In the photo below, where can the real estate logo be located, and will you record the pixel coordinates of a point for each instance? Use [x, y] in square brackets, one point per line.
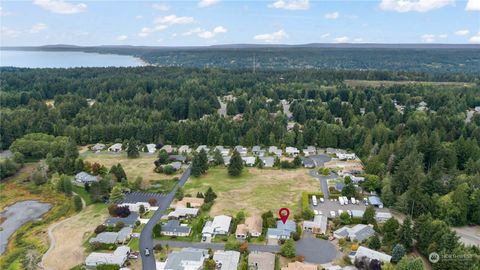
[434, 257]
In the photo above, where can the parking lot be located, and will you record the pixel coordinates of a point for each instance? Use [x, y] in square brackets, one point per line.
[330, 205]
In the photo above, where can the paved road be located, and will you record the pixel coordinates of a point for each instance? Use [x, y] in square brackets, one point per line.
[146, 237]
[215, 246]
[316, 250]
[323, 182]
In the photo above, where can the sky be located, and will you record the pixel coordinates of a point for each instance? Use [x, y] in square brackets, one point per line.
[210, 22]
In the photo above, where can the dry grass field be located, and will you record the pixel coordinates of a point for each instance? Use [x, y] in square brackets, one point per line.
[255, 191]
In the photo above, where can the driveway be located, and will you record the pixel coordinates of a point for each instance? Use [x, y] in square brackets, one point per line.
[215, 246]
[316, 250]
[320, 159]
[323, 181]
[146, 237]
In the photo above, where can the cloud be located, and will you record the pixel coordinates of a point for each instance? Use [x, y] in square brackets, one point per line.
[291, 4]
[206, 34]
[8, 32]
[146, 31]
[207, 3]
[60, 6]
[332, 16]
[325, 35]
[341, 39]
[122, 37]
[138, 17]
[4, 13]
[37, 28]
[271, 37]
[174, 19]
[358, 40]
[462, 32]
[443, 36]
[160, 7]
[429, 38]
[473, 5]
[414, 5]
[475, 39]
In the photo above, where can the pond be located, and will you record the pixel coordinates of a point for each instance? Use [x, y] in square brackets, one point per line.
[18, 214]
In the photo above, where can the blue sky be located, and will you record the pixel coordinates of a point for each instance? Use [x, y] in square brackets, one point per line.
[208, 22]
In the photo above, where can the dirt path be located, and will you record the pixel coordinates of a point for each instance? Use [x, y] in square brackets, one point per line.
[67, 237]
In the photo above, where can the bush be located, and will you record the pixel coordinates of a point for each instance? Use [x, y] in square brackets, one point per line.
[158, 247]
[152, 201]
[288, 249]
[108, 267]
[77, 203]
[100, 228]
[122, 211]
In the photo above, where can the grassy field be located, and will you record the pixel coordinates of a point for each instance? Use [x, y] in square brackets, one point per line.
[142, 166]
[368, 83]
[255, 191]
[27, 245]
[70, 234]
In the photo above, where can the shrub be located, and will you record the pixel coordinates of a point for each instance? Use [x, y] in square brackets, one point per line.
[288, 249]
[158, 247]
[152, 201]
[100, 228]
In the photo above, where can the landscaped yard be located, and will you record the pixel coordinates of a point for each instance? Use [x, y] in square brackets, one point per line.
[255, 191]
[142, 166]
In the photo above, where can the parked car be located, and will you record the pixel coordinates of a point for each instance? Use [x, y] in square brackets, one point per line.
[147, 252]
[322, 200]
[332, 214]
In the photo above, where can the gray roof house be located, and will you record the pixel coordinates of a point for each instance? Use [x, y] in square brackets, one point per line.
[258, 151]
[226, 160]
[371, 254]
[261, 260]
[184, 149]
[268, 161]
[310, 150]
[220, 225]
[359, 232]
[113, 237]
[180, 158]
[308, 162]
[174, 228]
[275, 151]
[226, 260]
[249, 161]
[83, 177]
[127, 221]
[292, 151]
[186, 259]
[176, 165]
[317, 226]
[183, 212]
[151, 147]
[241, 150]
[375, 201]
[98, 147]
[115, 148]
[200, 147]
[283, 231]
[118, 257]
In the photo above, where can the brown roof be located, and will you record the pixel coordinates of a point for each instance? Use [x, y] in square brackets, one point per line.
[299, 266]
[241, 229]
[254, 224]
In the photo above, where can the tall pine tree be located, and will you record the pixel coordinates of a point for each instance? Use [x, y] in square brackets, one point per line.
[236, 164]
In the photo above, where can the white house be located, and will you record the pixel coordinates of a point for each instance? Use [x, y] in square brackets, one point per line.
[223, 151]
[382, 216]
[98, 147]
[310, 150]
[292, 151]
[135, 207]
[317, 226]
[241, 150]
[200, 147]
[226, 260]
[249, 161]
[345, 156]
[151, 147]
[370, 254]
[83, 177]
[168, 148]
[183, 212]
[115, 148]
[220, 225]
[118, 257]
[185, 259]
[184, 149]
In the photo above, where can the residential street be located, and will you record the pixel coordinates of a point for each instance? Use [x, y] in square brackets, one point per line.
[323, 182]
[146, 238]
[215, 246]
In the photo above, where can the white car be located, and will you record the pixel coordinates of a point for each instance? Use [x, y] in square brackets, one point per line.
[332, 214]
[322, 200]
[315, 212]
[340, 211]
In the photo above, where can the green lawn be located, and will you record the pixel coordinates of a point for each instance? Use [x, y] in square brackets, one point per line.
[162, 186]
[82, 193]
[134, 244]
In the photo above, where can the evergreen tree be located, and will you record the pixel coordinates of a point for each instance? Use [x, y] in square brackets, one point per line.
[116, 194]
[210, 196]
[369, 215]
[374, 242]
[390, 231]
[236, 164]
[77, 203]
[397, 253]
[217, 158]
[203, 158]
[405, 234]
[132, 149]
[288, 249]
[196, 166]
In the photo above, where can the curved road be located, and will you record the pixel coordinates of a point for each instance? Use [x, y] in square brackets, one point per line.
[146, 237]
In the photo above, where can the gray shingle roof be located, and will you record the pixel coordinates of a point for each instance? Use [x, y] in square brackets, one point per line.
[173, 226]
[128, 221]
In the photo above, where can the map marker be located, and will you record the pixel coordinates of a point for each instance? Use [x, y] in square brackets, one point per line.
[284, 213]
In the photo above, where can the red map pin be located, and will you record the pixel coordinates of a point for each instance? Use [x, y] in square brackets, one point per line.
[284, 213]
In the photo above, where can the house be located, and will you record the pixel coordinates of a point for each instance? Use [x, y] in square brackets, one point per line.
[268, 162]
[204, 147]
[220, 225]
[113, 237]
[135, 207]
[261, 260]
[252, 227]
[167, 148]
[98, 147]
[83, 177]
[151, 147]
[334, 151]
[249, 161]
[308, 162]
[258, 151]
[317, 226]
[118, 257]
[226, 160]
[179, 158]
[370, 254]
[183, 212]
[226, 260]
[144, 197]
[290, 126]
[186, 259]
[241, 150]
[283, 231]
[184, 149]
[127, 221]
[359, 232]
[115, 148]
[275, 151]
[299, 266]
[223, 151]
[477, 109]
[355, 179]
[309, 151]
[190, 202]
[174, 228]
[382, 216]
[345, 156]
[175, 165]
[356, 213]
[375, 201]
[329, 266]
[292, 151]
